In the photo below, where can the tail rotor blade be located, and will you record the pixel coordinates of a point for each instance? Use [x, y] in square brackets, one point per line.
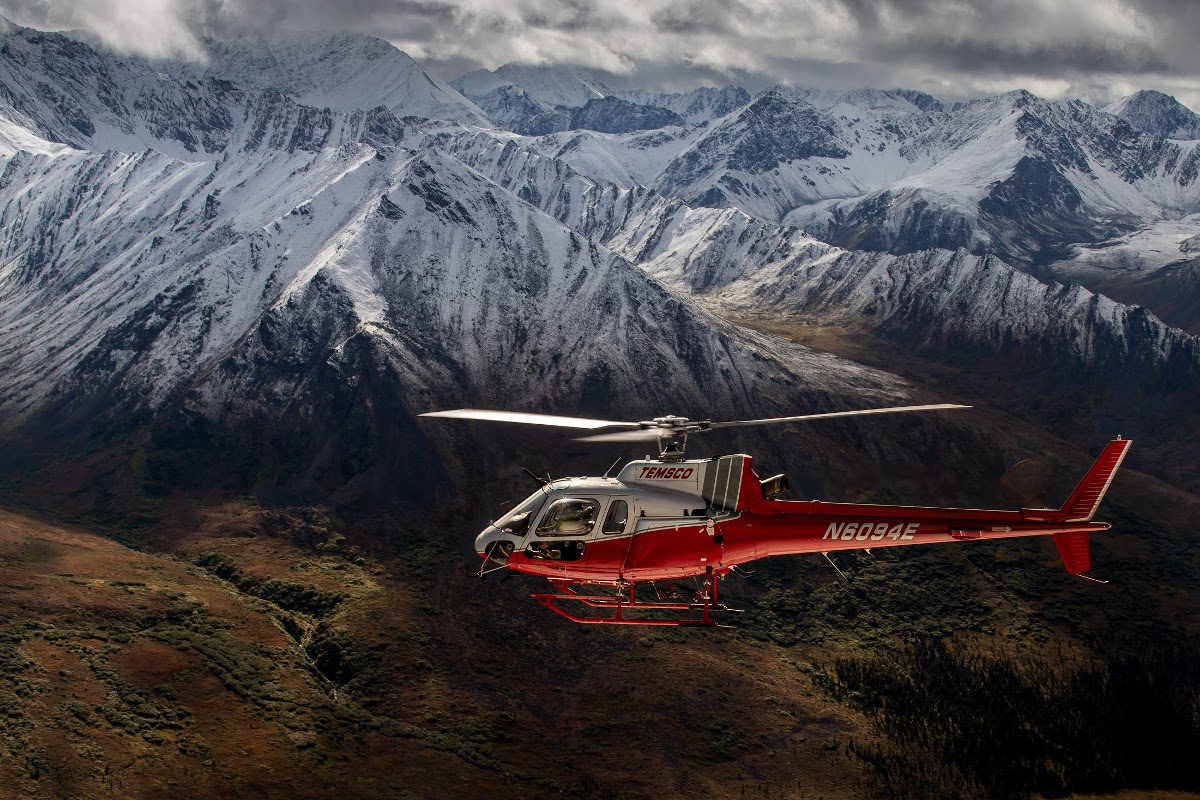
[1025, 483]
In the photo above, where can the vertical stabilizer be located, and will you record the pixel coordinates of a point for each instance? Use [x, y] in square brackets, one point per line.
[1082, 504]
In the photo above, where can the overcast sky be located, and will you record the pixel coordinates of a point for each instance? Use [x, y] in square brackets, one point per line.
[1095, 49]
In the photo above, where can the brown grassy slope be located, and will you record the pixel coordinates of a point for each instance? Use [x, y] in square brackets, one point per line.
[135, 675]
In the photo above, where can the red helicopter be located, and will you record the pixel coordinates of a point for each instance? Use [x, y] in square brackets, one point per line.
[672, 518]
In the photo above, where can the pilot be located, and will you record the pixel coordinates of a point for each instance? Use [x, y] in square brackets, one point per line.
[576, 519]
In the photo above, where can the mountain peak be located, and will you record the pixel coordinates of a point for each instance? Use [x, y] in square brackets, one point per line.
[554, 86]
[1157, 113]
[904, 100]
[342, 71]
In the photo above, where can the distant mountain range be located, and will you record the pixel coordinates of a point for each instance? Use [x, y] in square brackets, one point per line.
[307, 228]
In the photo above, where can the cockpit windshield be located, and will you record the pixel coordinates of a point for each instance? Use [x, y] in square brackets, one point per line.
[517, 519]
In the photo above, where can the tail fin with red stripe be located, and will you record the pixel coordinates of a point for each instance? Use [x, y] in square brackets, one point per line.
[1075, 550]
[1082, 504]
[1074, 547]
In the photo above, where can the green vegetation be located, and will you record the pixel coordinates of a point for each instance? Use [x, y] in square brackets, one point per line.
[883, 596]
[966, 723]
[289, 596]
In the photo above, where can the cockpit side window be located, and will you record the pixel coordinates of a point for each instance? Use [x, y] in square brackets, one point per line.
[617, 518]
[519, 518]
[571, 516]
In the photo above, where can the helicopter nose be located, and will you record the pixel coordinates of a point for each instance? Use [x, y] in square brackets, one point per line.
[486, 537]
[494, 548]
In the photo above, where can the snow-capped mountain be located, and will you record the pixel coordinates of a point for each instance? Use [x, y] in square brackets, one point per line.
[69, 91]
[551, 86]
[539, 100]
[937, 300]
[343, 72]
[309, 238]
[699, 105]
[739, 264]
[1158, 114]
[536, 101]
[605, 115]
[327, 284]
[1015, 175]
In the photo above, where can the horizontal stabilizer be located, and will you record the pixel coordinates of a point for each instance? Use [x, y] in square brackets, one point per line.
[1082, 504]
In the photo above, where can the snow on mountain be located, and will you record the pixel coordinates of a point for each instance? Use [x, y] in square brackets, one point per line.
[699, 105]
[551, 85]
[740, 264]
[479, 83]
[935, 299]
[627, 159]
[66, 90]
[177, 247]
[1014, 175]
[510, 108]
[604, 115]
[899, 100]
[343, 72]
[738, 161]
[1158, 114]
[14, 138]
[259, 287]
[1157, 266]
[536, 101]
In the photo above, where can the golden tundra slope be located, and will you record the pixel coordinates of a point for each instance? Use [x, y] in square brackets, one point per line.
[260, 658]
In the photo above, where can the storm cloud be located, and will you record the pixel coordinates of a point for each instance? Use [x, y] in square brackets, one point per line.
[1097, 49]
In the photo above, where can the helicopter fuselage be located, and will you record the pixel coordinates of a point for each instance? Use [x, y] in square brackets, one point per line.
[667, 520]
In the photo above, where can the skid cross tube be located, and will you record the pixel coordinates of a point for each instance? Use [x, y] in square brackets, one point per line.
[705, 603]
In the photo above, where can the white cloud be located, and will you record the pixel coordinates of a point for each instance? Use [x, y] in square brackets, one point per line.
[953, 48]
[152, 28]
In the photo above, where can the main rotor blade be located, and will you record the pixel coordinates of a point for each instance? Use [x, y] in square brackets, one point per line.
[829, 414]
[526, 418]
[646, 435]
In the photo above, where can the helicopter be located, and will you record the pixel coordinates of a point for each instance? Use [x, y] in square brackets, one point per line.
[670, 518]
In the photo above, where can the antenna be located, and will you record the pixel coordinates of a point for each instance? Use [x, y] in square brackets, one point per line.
[614, 464]
[540, 480]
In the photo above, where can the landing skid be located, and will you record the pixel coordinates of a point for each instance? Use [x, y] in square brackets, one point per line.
[618, 604]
